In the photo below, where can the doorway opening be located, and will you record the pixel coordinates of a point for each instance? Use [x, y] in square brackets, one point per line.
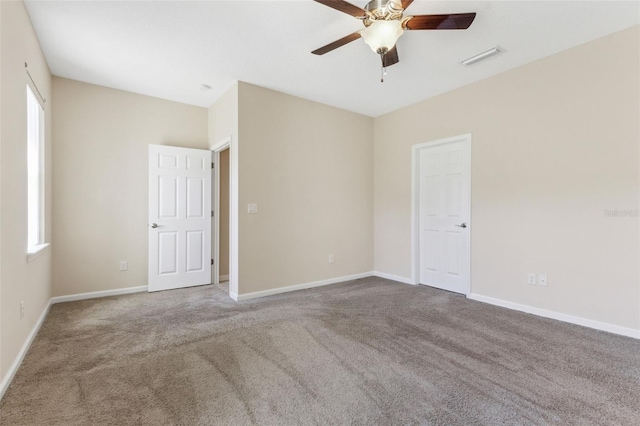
[441, 214]
[220, 216]
[223, 217]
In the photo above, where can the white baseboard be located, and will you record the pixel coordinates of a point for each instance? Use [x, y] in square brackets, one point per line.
[224, 278]
[96, 294]
[6, 381]
[233, 295]
[264, 293]
[393, 277]
[602, 326]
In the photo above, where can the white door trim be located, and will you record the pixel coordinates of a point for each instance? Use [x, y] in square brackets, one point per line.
[415, 205]
[216, 149]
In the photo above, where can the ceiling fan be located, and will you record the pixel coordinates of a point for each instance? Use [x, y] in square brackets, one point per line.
[384, 23]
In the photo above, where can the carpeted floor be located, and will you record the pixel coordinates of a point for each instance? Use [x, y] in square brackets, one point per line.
[366, 352]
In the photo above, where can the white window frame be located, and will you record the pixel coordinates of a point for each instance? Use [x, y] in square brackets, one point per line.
[36, 240]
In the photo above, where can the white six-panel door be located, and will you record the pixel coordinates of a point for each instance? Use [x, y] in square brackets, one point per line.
[444, 213]
[179, 217]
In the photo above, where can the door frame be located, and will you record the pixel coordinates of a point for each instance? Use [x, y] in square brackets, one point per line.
[415, 201]
[215, 229]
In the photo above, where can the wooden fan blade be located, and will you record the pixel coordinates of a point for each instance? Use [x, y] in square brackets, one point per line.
[406, 4]
[391, 57]
[456, 21]
[338, 43]
[345, 7]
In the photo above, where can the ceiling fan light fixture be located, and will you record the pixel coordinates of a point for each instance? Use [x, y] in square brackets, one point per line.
[382, 35]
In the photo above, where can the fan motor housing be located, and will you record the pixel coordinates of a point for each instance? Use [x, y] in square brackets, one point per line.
[384, 9]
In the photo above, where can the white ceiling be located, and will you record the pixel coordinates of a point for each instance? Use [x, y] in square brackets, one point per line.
[168, 49]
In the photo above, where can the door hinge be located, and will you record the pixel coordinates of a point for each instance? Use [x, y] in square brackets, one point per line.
[211, 213]
[212, 261]
[213, 165]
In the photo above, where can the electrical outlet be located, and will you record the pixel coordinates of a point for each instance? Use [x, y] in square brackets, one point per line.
[252, 208]
[330, 258]
[22, 309]
[124, 265]
[531, 278]
[542, 279]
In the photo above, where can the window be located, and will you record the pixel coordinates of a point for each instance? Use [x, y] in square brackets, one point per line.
[35, 174]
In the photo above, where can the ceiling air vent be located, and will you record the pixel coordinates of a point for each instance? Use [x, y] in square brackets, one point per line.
[482, 56]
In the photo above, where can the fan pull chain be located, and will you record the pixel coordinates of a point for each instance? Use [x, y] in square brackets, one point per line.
[383, 69]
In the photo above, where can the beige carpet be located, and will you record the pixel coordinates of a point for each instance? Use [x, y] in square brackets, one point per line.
[366, 352]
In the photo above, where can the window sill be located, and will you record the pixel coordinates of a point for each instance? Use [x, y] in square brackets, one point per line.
[35, 251]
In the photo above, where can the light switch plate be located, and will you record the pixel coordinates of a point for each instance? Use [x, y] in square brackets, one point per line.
[252, 208]
[542, 279]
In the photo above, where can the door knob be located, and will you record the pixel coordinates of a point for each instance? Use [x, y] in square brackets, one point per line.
[463, 225]
[154, 225]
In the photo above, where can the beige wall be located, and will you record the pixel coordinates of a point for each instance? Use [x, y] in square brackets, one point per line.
[224, 212]
[555, 143]
[223, 117]
[308, 166]
[223, 125]
[20, 281]
[101, 180]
